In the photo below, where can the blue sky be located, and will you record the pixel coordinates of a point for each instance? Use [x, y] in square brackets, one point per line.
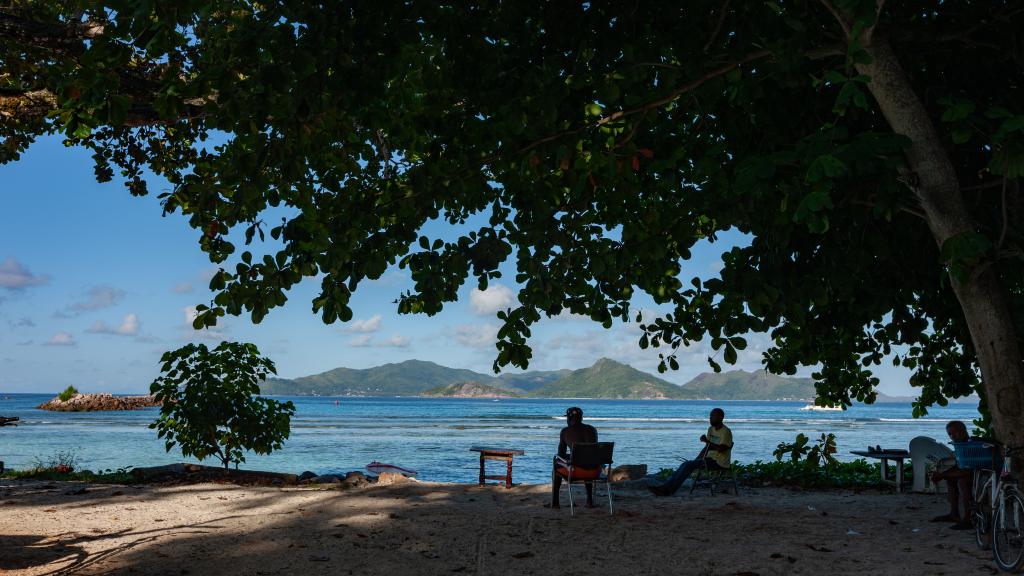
[95, 285]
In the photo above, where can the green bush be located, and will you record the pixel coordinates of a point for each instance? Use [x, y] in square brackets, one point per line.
[210, 403]
[806, 474]
[822, 452]
[858, 474]
[808, 466]
[68, 393]
[119, 476]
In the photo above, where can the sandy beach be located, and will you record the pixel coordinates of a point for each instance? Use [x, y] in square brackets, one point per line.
[430, 528]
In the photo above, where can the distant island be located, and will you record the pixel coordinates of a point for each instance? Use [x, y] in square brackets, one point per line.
[98, 403]
[606, 379]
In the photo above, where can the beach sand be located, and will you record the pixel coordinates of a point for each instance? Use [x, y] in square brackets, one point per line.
[428, 528]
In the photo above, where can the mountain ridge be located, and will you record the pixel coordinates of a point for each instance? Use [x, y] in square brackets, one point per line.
[605, 379]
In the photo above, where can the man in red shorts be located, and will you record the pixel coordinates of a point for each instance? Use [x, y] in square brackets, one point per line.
[576, 431]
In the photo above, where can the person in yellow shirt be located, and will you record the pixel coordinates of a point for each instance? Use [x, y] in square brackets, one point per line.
[716, 455]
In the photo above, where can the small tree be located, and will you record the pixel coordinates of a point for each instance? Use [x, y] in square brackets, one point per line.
[68, 393]
[210, 403]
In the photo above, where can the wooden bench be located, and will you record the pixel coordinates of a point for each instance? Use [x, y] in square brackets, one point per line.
[501, 454]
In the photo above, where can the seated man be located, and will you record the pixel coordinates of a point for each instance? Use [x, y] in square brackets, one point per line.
[958, 482]
[716, 455]
[576, 431]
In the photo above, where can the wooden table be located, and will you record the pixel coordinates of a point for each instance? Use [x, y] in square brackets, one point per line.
[898, 456]
[501, 454]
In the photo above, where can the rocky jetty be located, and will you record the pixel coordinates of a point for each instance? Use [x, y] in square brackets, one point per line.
[98, 402]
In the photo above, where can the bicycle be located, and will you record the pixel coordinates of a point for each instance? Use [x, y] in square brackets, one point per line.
[998, 515]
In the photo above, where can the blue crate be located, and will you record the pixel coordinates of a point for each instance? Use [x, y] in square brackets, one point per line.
[974, 454]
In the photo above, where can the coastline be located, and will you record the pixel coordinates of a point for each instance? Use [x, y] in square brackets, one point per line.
[448, 528]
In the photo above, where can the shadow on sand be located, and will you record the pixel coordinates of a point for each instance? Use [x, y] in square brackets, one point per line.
[427, 529]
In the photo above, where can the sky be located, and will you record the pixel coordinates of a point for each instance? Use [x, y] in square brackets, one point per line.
[95, 285]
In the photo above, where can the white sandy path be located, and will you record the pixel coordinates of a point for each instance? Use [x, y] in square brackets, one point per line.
[426, 528]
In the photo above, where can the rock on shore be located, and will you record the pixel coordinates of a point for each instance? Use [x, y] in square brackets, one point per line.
[97, 402]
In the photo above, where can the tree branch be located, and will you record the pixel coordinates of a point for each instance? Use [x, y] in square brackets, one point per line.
[838, 16]
[815, 54]
[30, 103]
[66, 38]
[722, 12]
[1006, 222]
[36, 104]
[670, 97]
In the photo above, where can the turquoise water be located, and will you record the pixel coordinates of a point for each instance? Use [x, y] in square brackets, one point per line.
[433, 435]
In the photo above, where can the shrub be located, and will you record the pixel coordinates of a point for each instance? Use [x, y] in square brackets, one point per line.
[822, 452]
[805, 474]
[119, 476]
[68, 393]
[210, 407]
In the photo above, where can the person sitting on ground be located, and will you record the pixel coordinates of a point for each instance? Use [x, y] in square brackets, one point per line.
[716, 455]
[576, 431]
[958, 482]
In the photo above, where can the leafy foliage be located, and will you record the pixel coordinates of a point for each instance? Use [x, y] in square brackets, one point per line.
[855, 474]
[68, 393]
[109, 476]
[592, 145]
[210, 407]
[822, 453]
[858, 474]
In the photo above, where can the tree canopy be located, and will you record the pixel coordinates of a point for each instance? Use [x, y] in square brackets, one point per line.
[871, 151]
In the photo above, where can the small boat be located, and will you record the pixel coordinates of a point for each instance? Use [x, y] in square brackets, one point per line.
[817, 408]
[380, 467]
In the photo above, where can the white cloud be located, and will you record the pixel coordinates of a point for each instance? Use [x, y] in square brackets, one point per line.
[182, 288]
[97, 298]
[61, 339]
[360, 341]
[371, 324]
[476, 335]
[215, 333]
[366, 341]
[129, 327]
[23, 323]
[495, 298]
[14, 276]
[395, 341]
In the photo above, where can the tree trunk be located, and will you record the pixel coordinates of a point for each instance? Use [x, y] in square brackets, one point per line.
[985, 303]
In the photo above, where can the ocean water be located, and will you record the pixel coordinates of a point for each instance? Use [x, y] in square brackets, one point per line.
[433, 435]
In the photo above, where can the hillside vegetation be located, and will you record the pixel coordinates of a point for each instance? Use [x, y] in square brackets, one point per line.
[757, 385]
[469, 390]
[606, 379]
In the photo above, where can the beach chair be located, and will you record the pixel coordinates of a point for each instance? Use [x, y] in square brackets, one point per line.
[588, 462]
[711, 479]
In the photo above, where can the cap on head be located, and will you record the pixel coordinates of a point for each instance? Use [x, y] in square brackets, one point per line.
[574, 415]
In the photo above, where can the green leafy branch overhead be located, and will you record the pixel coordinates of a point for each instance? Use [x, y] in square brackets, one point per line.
[593, 146]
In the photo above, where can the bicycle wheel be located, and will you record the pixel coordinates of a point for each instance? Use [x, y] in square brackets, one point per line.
[981, 515]
[1008, 533]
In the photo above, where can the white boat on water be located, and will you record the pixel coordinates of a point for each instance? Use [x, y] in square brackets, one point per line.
[817, 408]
